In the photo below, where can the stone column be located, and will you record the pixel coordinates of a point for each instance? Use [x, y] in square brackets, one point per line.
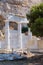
[20, 34]
[0, 40]
[0, 44]
[30, 34]
[7, 34]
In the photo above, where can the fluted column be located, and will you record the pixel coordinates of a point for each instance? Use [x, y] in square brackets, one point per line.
[7, 34]
[20, 34]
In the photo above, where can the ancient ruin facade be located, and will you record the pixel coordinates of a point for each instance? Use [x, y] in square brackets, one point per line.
[13, 13]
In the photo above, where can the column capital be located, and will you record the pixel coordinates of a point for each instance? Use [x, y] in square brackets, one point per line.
[6, 20]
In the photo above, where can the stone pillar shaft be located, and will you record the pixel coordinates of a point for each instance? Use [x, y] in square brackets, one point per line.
[20, 34]
[7, 34]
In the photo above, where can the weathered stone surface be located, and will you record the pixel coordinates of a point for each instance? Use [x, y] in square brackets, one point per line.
[17, 7]
[17, 2]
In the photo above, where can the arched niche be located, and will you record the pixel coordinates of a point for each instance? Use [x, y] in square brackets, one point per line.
[13, 25]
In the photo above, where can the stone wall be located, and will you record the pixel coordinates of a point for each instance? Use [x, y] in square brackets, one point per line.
[40, 45]
[34, 45]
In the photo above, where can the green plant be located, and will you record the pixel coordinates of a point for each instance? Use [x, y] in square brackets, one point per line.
[36, 20]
